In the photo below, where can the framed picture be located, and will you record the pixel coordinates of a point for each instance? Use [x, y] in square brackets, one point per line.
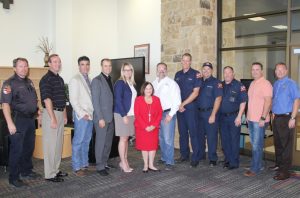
[143, 51]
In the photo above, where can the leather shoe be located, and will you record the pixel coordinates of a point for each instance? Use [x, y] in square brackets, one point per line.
[17, 183]
[194, 164]
[80, 173]
[212, 163]
[153, 170]
[249, 174]
[55, 179]
[61, 174]
[281, 176]
[226, 165]
[109, 166]
[231, 167]
[103, 172]
[31, 175]
[181, 159]
[273, 168]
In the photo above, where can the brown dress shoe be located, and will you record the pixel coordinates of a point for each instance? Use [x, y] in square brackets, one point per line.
[80, 173]
[249, 174]
[281, 176]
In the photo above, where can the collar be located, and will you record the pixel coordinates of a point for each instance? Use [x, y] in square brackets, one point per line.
[52, 73]
[105, 76]
[208, 79]
[19, 78]
[188, 71]
[283, 79]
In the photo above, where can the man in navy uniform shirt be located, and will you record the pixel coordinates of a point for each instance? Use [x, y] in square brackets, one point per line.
[285, 108]
[19, 103]
[232, 108]
[189, 86]
[208, 103]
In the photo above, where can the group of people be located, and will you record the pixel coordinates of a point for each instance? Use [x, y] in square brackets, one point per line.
[201, 103]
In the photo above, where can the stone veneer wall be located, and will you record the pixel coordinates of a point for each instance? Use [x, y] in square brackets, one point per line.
[188, 26]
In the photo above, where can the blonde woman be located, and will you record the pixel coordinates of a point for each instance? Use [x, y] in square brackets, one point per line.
[124, 94]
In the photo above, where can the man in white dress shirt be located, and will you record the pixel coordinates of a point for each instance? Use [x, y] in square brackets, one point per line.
[169, 94]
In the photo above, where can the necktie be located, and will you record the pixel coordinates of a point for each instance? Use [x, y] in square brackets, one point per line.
[86, 78]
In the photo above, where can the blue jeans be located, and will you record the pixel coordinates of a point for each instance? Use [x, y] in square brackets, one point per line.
[166, 139]
[80, 145]
[257, 134]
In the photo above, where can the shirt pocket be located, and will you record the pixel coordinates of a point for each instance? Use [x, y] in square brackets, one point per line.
[209, 91]
[233, 96]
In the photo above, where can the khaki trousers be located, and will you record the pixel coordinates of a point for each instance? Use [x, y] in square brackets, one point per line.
[52, 143]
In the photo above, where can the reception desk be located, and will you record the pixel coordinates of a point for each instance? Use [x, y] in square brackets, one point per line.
[67, 144]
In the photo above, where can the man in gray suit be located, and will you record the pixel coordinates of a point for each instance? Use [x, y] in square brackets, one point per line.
[102, 98]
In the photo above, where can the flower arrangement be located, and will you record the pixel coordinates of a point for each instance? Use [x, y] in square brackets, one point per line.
[45, 47]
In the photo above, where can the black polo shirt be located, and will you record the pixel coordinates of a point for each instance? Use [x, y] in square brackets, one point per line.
[52, 86]
[20, 94]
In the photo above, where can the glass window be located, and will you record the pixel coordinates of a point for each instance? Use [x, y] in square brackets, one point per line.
[233, 8]
[268, 30]
[295, 3]
[295, 27]
[241, 61]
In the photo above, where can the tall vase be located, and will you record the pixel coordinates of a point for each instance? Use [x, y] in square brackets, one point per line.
[46, 58]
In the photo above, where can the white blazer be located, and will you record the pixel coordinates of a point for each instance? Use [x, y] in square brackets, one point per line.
[80, 97]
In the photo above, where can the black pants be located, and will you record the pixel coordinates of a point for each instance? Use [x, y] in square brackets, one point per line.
[283, 141]
[21, 148]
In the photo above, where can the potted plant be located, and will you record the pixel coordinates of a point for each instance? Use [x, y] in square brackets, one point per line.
[45, 47]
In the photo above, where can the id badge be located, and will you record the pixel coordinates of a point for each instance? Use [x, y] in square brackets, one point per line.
[232, 99]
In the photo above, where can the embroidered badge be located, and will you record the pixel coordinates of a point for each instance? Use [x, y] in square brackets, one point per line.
[220, 86]
[7, 89]
[243, 88]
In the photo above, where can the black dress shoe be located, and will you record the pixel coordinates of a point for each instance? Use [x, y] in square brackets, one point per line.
[281, 176]
[55, 179]
[145, 171]
[194, 164]
[103, 172]
[182, 159]
[31, 175]
[232, 167]
[109, 166]
[17, 183]
[273, 168]
[61, 174]
[226, 165]
[153, 170]
[161, 161]
[212, 163]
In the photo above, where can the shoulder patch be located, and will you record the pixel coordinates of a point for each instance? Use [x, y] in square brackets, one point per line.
[7, 89]
[220, 86]
[243, 88]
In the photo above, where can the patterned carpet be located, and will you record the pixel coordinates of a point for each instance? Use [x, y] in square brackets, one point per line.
[183, 181]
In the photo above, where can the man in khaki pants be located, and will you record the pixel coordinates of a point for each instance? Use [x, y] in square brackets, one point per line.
[53, 119]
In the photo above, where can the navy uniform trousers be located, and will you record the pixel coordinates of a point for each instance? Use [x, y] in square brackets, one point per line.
[187, 125]
[210, 131]
[21, 148]
[230, 136]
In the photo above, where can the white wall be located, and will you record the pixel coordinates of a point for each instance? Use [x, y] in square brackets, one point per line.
[21, 27]
[139, 23]
[95, 28]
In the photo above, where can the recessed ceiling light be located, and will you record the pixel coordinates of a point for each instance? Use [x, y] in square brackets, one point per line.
[257, 19]
[281, 27]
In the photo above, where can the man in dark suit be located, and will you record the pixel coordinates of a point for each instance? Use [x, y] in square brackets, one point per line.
[102, 98]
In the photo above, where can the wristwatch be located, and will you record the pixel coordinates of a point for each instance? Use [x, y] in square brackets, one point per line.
[292, 118]
[262, 118]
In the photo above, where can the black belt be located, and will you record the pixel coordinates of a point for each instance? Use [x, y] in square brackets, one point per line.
[58, 109]
[205, 109]
[229, 114]
[23, 115]
[166, 110]
[283, 115]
